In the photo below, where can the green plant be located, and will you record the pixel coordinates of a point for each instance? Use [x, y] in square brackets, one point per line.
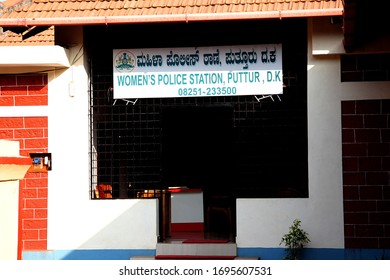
[295, 240]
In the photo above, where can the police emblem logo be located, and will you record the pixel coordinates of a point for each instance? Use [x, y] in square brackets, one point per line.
[124, 61]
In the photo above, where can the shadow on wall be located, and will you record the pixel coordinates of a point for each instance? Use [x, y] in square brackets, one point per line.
[120, 239]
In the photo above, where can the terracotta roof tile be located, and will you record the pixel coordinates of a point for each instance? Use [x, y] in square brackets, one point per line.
[90, 8]
[79, 12]
[45, 38]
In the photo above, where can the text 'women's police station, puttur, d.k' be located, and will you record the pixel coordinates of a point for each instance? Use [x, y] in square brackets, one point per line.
[197, 72]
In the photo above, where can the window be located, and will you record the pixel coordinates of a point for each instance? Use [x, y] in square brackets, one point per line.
[240, 145]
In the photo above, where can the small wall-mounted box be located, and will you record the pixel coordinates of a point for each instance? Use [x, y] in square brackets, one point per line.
[41, 162]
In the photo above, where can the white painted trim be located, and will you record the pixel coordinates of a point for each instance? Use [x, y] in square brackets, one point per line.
[23, 59]
[24, 111]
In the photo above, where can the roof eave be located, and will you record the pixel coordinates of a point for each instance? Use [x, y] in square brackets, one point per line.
[169, 18]
[18, 59]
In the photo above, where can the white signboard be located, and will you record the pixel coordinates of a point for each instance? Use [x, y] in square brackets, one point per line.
[197, 72]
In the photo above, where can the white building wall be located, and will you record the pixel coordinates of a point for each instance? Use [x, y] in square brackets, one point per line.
[9, 201]
[74, 220]
[263, 222]
[77, 222]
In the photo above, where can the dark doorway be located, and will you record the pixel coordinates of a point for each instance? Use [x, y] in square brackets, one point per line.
[198, 152]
